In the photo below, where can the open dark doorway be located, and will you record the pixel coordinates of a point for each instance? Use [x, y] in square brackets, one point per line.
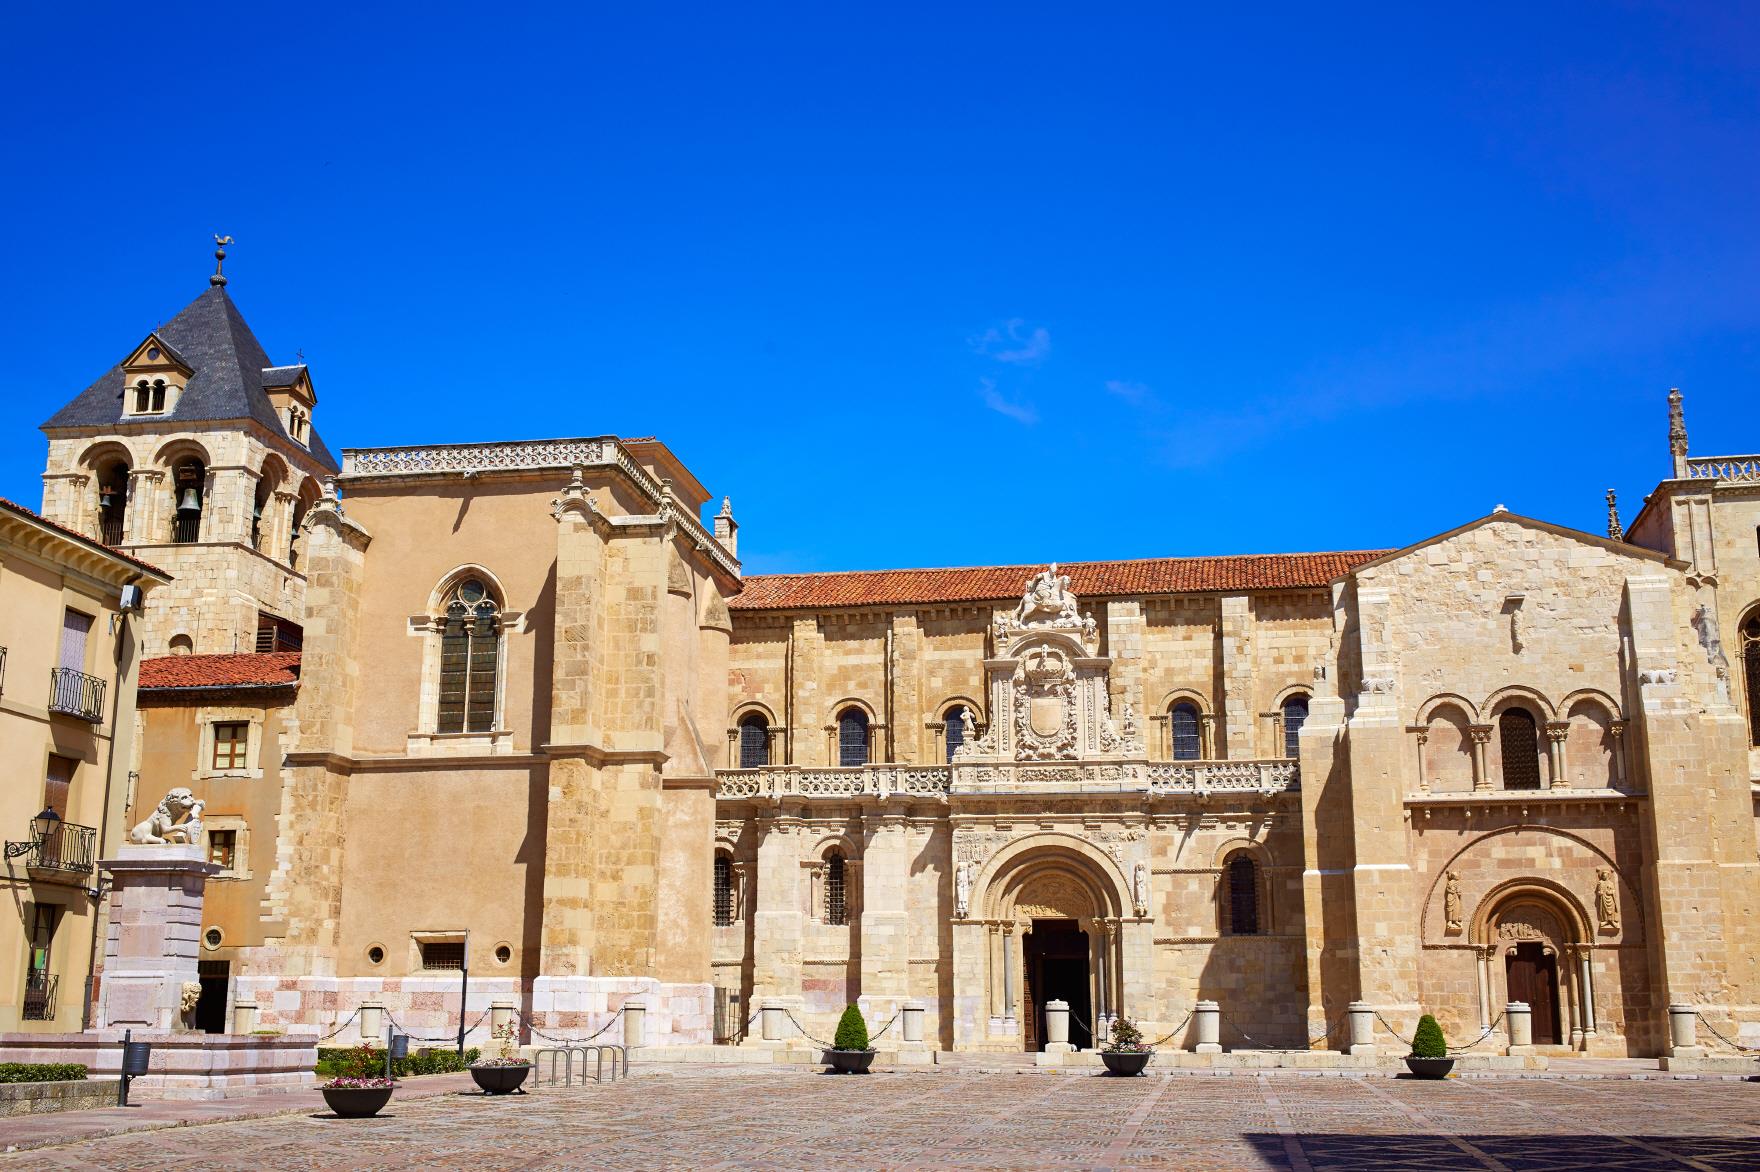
[1532, 976]
[216, 976]
[1057, 970]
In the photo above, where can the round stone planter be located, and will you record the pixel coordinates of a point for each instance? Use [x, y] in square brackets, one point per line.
[356, 1102]
[1124, 1061]
[850, 1061]
[500, 1080]
[1429, 1067]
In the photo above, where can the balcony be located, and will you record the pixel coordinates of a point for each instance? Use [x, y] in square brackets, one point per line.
[74, 693]
[878, 781]
[39, 995]
[1276, 775]
[64, 853]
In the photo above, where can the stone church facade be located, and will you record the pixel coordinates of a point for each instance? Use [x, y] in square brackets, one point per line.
[517, 709]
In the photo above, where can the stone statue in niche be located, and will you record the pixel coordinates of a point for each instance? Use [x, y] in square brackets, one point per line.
[968, 726]
[1606, 900]
[1451, 903]
[962, 890]
[1140, 888]
[177, 819]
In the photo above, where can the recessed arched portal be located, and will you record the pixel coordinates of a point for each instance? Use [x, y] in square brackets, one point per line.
[1056, 903]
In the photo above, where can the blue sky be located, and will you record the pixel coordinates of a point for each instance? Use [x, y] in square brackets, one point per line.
[937, 284]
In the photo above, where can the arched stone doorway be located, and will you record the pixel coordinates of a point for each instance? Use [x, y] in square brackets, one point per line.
[1534, 949]
[1053, 911]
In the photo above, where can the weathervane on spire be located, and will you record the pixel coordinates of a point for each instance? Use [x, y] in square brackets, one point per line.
[220, 243]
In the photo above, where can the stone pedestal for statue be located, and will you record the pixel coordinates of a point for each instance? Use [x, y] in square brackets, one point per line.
[150, 979]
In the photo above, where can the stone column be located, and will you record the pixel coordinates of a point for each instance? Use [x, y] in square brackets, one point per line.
[1556, 732]
[145, 509]
[1422, 732]
[1482, 955]
[1481, 734]
[154, 940]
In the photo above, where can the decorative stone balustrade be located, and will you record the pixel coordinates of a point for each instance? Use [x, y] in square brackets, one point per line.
[1741, 469]
[532, 455]
[880, 781]
[1187, 777]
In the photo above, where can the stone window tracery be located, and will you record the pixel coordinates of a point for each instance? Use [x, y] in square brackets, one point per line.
[470, 656]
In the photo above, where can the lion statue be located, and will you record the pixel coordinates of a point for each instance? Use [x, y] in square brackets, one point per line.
[178, 818]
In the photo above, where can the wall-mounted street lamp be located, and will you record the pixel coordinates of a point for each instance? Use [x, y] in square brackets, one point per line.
[42, 826]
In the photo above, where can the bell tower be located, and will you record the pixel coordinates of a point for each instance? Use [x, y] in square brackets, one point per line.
[195, 452]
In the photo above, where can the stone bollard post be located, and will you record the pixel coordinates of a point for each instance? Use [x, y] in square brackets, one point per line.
[1057, 1028]
[372, 1020]
[634, 1019]
[1208, 1015]
[1683, 1032]
[1362, 1016]
[244, 1017]
[501, 1012]
[771, 1022]
[911, 1021]
[1519, 1016]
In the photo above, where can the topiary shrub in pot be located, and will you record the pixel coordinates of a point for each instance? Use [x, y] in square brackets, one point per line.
[850, 1053]
[1429, 1057]
[1125, 1052]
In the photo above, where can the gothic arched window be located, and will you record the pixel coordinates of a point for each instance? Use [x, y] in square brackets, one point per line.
[1295, 715]
[1751, 667]
[1182, 721]
[1518, 737]
[1242, 876]
[754, 741]
[723, 891]
[470, 656]
[852, 737]
[954, 729]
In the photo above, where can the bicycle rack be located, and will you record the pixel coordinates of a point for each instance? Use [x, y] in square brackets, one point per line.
[543, 1074]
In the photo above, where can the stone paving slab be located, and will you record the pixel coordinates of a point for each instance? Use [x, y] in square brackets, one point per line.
[766, 1118]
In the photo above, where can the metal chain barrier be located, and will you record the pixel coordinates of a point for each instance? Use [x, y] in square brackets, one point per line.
[448, 1037]
[1183, 1023]
[876, 1037]
[1251, 1041]
[809, 1037]
[1718, 1034]
[343, 1026]
[615, 1016]
[1328, 1030]
[1402, 1039]
[1484, 1034]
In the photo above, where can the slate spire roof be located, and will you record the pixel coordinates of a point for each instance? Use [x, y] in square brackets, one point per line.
[211, 338]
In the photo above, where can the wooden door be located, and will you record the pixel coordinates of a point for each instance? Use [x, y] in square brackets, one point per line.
[1532, 976]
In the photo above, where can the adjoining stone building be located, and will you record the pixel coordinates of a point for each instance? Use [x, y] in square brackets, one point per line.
[543, 723]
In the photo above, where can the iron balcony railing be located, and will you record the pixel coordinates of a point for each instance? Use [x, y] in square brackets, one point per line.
[110, 530]
[39, 995]
[74, 693]
[68, 848]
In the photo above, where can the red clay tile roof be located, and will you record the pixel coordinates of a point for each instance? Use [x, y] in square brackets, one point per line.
[1270, 571]
[273, 670]
[32, 514]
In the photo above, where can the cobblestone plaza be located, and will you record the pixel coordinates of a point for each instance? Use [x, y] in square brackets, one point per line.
[797, 1119]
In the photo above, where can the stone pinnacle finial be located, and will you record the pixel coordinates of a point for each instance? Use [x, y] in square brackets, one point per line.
[1614, 532]
[1677, 432]
[726, 507]
[220, 243]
